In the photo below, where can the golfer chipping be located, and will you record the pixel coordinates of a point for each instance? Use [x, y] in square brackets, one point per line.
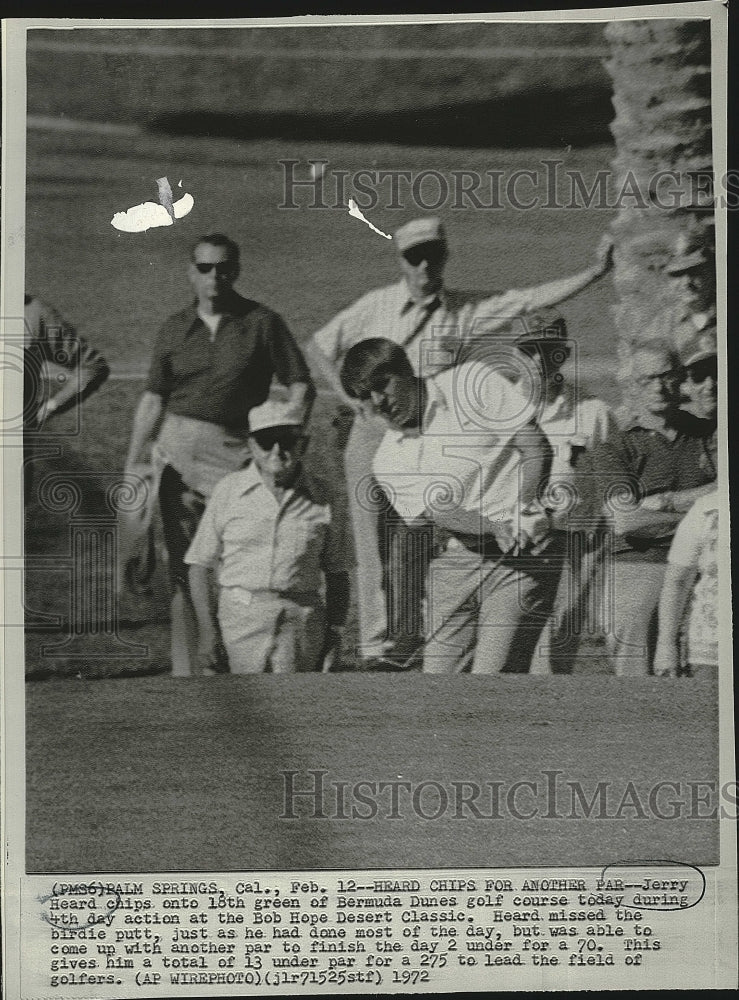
[470, 468]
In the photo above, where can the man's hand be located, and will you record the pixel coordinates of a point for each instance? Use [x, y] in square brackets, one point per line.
[47, 409]
[532, 525]
[194, 501]
[140, 476]
[604, 254]
[523, 529]
[659, 502]
[505, 536]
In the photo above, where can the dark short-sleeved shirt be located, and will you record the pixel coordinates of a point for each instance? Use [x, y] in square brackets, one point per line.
[220, 378]
[649, 462]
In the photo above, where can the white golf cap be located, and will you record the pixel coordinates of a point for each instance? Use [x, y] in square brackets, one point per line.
[426, 230]
[276, 411]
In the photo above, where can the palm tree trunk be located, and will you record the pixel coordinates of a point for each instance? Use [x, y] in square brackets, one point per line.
[662, 98]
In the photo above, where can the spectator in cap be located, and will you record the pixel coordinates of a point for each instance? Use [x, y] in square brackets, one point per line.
[416, 309]
[575, 423]
[693, 268]
[699, 389]
[700, 362]
[277, 542]
[650, 474]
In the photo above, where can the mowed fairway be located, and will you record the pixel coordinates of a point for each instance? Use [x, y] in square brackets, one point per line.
[152, 773]
[162, 775]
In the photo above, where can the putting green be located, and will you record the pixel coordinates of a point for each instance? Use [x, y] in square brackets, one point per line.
[187, 775]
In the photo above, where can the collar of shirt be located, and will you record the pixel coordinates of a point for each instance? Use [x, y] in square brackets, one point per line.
[421, 304]
[646, 422]
[252, 480]
[230, 310]
[435, 399]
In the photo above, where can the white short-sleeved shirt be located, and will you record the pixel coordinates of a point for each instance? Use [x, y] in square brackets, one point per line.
[258, 544]
[571, 423]
[696, 545]
[460, 469]
[389, 312]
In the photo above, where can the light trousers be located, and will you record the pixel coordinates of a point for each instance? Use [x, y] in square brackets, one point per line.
[582, 605]
[637, 588]
[366, 505]
[485, 615]
[266, 633]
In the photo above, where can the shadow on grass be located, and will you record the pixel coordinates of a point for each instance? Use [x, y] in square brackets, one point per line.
[74, 626]
[535, 119]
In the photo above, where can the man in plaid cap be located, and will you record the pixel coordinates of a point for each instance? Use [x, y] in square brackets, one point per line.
[575, 423]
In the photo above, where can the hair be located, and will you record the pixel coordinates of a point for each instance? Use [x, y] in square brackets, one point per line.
[631, 368]
[546, 325]
[545, 336]
[218, 240]
[368, 359]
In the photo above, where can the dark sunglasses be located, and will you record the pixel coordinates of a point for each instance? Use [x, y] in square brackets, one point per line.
[224, 270]
[702, 370]
[432, 253]
[286, 438]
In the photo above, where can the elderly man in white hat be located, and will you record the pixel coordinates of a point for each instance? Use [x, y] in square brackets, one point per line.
[410, 312]
[278, 545]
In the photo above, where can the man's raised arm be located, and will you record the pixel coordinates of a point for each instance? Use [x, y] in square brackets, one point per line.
[523, 300]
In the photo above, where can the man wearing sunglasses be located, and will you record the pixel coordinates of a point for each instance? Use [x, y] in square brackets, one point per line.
[212, 363]
[701, 380]
[415, 309]
[652, 473]
[278, 544]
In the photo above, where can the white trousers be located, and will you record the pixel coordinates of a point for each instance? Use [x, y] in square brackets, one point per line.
[266, 633]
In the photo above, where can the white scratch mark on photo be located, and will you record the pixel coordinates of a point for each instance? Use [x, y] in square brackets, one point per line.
[149, 215]
[356, 213]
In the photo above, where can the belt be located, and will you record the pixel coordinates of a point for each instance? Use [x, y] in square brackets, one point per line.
[305, 598]
[482, 545]
[487, 545]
